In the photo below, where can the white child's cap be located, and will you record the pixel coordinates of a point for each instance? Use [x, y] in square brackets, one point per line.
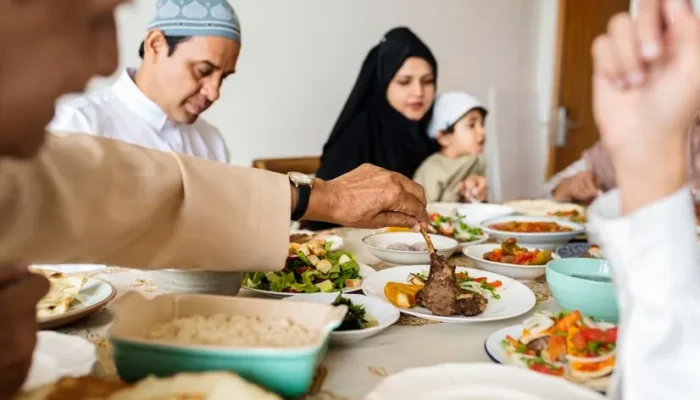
[449, 108]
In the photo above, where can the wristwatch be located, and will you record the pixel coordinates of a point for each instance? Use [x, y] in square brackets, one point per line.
[304, 184]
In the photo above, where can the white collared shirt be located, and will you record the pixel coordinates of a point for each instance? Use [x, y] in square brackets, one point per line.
[656, 267]
[122, 111]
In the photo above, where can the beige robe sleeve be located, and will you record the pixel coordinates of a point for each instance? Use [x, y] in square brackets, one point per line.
[89, 199]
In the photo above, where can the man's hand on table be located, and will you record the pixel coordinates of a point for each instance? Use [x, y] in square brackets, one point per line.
[368, 197]
[20, 291]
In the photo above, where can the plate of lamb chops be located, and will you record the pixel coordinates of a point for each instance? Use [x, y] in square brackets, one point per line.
[442, 292]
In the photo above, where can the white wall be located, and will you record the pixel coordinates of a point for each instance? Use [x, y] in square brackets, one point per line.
[300, 59]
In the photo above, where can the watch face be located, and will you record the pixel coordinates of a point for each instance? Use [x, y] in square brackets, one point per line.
[300, 179]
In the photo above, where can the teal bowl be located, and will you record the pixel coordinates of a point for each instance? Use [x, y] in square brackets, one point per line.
[289, 372]
[584, 284]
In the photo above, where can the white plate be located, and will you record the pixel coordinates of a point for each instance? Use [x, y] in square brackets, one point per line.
[545, 241]
[58, 355]
[492, 346]
[385, 314]
[477, 381]
[516, 298]
[542, 207]
[482, 239]
[378, 243]
[93, 295]
[365, 271]
[520, 272]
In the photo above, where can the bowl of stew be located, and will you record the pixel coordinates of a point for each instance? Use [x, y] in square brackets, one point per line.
[546, 233]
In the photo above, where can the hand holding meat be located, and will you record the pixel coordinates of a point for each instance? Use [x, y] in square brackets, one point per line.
[369, 197]
[20, 291]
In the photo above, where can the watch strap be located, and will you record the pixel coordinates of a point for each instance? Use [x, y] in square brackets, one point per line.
[303, 195]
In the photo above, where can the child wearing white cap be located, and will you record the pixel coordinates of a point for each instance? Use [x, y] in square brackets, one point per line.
[457, 172]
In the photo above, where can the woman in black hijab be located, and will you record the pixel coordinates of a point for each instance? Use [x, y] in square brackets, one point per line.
[384, 121]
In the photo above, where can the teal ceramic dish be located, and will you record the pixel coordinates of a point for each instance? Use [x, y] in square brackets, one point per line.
[584, 284]
[288, 372]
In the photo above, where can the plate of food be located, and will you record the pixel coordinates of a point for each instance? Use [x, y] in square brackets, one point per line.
[457, 229]
[366, 316]
[510, 259]
[545, 207]
[476, 381]
[460, 295]
[567, 345]
[580, 250]
[545, 232]
[311, 267]
[70, 298]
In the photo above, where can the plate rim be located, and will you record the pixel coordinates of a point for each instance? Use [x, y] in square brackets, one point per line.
[68, 317]
[458, 320]
[505, 265]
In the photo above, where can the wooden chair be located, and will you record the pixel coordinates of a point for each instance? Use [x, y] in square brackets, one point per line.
[305, 165]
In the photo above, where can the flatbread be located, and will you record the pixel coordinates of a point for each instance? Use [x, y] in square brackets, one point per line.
[63, 291]
[191, 386]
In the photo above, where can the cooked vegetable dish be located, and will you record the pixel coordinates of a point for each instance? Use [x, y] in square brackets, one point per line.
[510, 253]
[530, 227]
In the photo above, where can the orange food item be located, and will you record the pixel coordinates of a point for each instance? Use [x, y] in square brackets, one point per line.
[530, 227]
[401, 294]
[397, 229]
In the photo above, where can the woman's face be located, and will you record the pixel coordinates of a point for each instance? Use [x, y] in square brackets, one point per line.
[412, 90]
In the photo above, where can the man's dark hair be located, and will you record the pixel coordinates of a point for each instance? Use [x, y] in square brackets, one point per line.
[172, 42]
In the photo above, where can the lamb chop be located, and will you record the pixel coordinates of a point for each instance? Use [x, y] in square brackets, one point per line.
[441, 295]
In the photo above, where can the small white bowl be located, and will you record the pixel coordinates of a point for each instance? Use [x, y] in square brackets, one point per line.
[543, 241]
[379, 242]
[476, 213]
[384, 313]
[519, 272]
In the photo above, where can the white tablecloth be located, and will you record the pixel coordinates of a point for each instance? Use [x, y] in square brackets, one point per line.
[351, 371]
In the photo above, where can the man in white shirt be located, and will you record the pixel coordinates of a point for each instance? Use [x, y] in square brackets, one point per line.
[190, 48]
[646, 91]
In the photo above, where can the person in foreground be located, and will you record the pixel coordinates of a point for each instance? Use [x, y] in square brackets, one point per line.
[457, 172]
[646, 92]
[187, 54]
[86, 199]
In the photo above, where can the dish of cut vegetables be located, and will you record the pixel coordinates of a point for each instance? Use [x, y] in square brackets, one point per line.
[567, 344]
[456, 229]
[511, 253]
[311, 267]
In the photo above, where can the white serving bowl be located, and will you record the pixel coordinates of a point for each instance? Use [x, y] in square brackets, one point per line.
[519, 272]
[476, 213]
[384, 313]
[543, 241]
[197, 281]
[379, 242]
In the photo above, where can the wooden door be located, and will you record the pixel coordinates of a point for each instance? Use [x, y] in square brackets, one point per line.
[580, 21]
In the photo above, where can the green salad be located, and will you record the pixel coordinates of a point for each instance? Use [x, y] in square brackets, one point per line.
[455, 228]
[310, 268]
[356, 317]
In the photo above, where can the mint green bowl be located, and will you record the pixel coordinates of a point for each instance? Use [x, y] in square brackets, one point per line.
[289, 372]
[583, 284]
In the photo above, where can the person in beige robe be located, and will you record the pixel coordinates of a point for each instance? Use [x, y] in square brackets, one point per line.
[94, 200]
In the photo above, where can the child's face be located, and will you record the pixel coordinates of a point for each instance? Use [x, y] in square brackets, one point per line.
[468, 137]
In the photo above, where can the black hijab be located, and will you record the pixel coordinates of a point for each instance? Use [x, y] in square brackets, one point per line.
[369, 129]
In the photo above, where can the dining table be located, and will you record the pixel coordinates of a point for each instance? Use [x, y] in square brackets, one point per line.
[348, 372]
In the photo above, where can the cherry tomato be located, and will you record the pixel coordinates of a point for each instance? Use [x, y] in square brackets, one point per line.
[610, 336]
[434, 217]
[580, 342]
